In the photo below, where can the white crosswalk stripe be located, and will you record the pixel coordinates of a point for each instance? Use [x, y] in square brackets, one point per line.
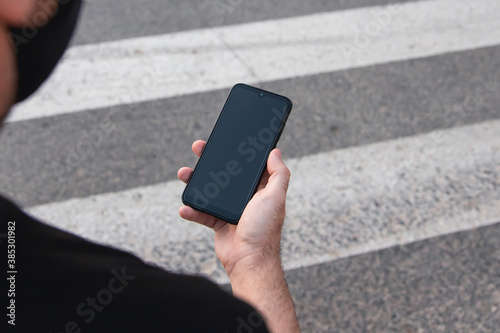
[155, 67]
[360, 203]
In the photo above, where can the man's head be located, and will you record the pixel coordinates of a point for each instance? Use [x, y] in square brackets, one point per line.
[33, 36]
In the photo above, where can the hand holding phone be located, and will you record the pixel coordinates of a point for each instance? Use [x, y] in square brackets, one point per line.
[250, 251]
[260, 225]
[234, 159]
[244, 180]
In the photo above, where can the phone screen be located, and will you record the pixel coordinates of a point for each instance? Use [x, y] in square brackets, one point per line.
[233, 161]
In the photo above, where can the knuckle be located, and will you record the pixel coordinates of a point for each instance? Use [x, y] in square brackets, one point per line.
[287, 172]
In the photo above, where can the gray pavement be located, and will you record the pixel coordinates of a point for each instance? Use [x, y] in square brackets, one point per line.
[149, 141]
[117, 19]
[444, 284]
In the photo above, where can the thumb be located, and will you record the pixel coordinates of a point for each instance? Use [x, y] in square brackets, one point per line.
[279, 174]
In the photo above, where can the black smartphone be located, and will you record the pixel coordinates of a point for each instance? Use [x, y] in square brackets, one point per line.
[235, 157]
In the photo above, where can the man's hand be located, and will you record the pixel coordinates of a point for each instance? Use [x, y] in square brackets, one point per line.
[250, 251]
[258, 234]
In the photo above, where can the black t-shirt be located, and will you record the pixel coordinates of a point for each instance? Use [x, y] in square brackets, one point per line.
[58, 282]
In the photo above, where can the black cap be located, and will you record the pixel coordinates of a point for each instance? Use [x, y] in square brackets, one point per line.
[39, 50]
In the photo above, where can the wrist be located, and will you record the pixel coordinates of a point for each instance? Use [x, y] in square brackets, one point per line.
[256, 270]
[262, 284]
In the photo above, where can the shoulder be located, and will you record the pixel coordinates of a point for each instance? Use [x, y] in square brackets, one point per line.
[67, 280]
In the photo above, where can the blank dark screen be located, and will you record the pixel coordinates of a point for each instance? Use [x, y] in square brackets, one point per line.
[237, 151]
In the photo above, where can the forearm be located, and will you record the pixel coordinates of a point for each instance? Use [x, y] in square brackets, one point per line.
[263, 285]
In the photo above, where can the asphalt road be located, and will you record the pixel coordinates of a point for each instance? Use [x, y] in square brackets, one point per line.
[361, 254]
